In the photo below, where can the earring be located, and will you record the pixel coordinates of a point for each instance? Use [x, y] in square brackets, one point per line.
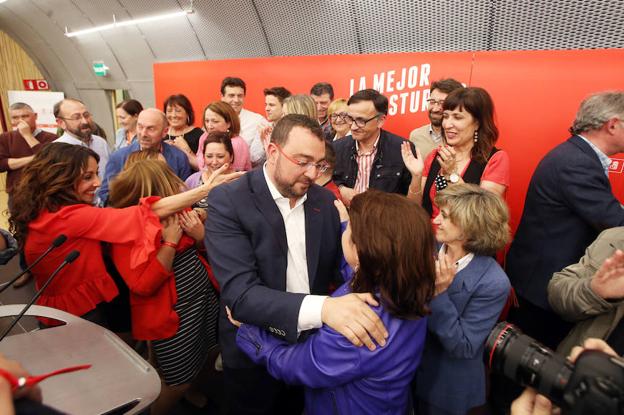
[476, 136]
[188, 120]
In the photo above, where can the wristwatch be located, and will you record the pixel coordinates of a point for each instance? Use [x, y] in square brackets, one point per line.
[454, 178]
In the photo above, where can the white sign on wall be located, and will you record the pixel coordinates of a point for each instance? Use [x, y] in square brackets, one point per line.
[42, 103]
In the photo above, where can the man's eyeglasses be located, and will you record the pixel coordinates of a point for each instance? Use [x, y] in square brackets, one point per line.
[77, 117]
[431, 102]
[320, 167]
[359, 122]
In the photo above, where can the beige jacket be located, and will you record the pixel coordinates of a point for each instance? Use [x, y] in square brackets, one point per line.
[571, 296]
[421, 138]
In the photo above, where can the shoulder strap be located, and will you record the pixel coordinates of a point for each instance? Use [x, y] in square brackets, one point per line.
[433, 172]
[475, 169]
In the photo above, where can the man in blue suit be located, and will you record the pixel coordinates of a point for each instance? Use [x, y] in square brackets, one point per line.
[273, 239]
[151, 129]
[569, 202]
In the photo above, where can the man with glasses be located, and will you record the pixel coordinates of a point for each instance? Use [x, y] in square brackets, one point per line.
[429, 136]
[72, 116]
[370, 156]
[273, 240]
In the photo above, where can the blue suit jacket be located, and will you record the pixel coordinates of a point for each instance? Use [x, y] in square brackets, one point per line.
[451, 375]
[569, 202]
[176, 159]
[247, 248]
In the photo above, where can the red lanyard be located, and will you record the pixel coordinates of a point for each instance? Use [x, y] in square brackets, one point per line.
[23, 382]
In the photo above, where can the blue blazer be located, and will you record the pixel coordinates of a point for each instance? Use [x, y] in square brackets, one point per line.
[569, 202]
[451, 375]
[247, 248]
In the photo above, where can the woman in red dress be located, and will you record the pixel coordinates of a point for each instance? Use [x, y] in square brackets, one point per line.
[55, 196]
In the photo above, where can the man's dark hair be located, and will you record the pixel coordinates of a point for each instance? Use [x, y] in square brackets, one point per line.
[379, 101]
[279, 92]
[283, 127]
[184, 102]
[232, 81]
[321, 88]
[446, 85]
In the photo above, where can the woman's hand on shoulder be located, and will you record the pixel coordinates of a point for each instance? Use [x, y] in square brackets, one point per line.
[445, 272]
[342, 211]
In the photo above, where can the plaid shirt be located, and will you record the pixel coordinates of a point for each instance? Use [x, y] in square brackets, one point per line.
[365, 165]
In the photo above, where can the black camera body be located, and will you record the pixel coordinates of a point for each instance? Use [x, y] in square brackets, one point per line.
[593, 385]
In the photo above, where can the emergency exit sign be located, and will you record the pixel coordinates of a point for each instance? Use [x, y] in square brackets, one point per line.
[35, 84]
[100, 68]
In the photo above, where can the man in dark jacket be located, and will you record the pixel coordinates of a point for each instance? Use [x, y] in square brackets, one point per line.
[370, 156]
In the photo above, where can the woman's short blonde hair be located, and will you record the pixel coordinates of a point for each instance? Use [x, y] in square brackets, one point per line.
[336, 106]
[482, 216]
[300, 104]
[143, 178]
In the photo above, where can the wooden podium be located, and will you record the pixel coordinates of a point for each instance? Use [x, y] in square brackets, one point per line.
[120, 381]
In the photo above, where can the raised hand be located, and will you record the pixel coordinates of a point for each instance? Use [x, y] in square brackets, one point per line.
[415, 165]
[218, 177]
[447, 159]
[342, 211]
[608, 281]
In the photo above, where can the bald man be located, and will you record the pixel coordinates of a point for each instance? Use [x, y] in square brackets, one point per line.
[151, 129]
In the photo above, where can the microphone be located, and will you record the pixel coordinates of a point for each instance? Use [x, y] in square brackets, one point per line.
[71, 257]
[60, 240]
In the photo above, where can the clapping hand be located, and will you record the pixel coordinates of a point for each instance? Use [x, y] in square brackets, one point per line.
[445, 272]
[447, 159]
[415, 165]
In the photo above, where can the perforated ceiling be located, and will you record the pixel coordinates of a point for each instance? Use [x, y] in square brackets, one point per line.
[221, 29]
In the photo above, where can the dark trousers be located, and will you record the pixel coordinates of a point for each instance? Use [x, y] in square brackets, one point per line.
[254, 392]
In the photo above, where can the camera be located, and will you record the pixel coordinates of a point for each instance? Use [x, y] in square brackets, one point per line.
[592, 385]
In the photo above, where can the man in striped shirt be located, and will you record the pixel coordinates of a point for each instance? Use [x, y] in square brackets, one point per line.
[370, 156]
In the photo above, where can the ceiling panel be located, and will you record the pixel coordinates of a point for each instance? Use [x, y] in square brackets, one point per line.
[229, 29]
[308, 27]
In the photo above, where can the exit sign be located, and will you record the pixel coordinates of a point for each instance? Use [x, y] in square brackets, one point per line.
[100, 68]
[35, 84]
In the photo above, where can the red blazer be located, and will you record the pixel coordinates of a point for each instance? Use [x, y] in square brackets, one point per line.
[152, 291]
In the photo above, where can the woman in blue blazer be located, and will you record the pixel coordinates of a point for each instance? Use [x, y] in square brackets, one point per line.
[471, 290]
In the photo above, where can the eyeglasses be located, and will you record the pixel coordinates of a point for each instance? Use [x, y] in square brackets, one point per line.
[338, 116]
[359, 122]
[306, 165]
[78, 117]
[431, 102]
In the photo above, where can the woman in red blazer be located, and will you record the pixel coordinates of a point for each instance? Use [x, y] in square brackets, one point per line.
[173, 302]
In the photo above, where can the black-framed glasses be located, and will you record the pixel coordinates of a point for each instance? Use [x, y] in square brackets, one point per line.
[338, 116]
[320, 167]
[78, 117]
[431, 102]
[360, 122]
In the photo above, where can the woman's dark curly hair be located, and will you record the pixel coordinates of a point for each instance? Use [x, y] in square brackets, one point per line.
[48, 182]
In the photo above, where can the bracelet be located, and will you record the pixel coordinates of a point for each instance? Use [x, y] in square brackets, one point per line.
[170, 244]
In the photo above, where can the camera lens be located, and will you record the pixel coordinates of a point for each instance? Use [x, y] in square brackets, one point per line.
[527, 362]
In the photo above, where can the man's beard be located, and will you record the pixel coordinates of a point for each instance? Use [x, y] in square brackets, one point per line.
[437, 121]
[79, 132]
[288, 189]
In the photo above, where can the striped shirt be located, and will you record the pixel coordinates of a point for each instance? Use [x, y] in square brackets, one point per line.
[365, 165]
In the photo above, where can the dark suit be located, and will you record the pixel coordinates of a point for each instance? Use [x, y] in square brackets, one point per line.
[569, 202]
[247, 247]
[388, 173]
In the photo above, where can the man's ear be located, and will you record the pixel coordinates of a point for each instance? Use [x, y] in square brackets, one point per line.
[61, 123]
[271, 152]
[381, 120]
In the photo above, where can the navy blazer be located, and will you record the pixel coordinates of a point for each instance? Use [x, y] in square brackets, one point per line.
[247, 248]
[388, 173]
[569, 202]
[451, 375]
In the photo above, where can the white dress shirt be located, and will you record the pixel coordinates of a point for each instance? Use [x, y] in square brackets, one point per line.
[98, 144]
[250, 124]
[297, 280]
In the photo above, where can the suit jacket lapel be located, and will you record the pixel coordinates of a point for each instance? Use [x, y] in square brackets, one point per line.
[266, 205]
[313, 236]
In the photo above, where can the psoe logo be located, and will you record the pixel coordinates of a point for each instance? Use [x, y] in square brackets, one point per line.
[616, 166]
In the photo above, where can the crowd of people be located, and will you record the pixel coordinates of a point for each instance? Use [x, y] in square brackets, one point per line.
[322, 261]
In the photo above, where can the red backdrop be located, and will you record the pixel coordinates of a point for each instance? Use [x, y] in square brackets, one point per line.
[536, 93]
